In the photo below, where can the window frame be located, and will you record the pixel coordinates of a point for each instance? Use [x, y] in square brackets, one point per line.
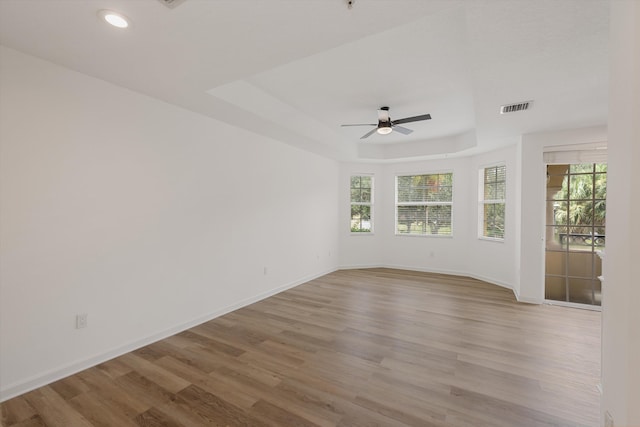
[482, 202]
[370, 203]
[449, 203]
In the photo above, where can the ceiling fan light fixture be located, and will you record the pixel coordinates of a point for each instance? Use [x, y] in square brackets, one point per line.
[384, 127]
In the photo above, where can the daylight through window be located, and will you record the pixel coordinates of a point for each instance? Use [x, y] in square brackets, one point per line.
[492, 202]
[361, 204]
[424, 204]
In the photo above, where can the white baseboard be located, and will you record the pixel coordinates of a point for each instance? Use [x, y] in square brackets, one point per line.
[402, 267]
[359, 267]
[527, 300]
[449, 272]
[492, 281]
[24, 386]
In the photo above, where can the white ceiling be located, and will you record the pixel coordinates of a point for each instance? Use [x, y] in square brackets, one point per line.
[295, 70]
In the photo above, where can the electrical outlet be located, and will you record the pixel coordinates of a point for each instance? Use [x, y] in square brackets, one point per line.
[81, 321]
[265, 271]
[608, 419]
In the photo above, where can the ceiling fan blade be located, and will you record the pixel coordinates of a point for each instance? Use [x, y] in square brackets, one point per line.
[368, 134]
[363, 124]
[402, 130]
[412, 119]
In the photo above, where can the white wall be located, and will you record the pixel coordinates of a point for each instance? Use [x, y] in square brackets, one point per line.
[463, 253]
[495, 262]
[148, 217]
[621, 289]
[429, 253]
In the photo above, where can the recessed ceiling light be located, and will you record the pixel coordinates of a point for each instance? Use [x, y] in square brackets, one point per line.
[114, 18]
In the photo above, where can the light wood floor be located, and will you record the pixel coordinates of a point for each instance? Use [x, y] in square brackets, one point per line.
[374, 347]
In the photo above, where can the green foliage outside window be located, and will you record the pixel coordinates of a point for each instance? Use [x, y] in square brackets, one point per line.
[580, 204]
[493, 202]
[361, 204]
[424, 203]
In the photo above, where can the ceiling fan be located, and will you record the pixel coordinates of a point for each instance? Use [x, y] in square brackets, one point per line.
[386, 125]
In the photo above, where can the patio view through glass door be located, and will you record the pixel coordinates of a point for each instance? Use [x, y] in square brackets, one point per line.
[575, 232]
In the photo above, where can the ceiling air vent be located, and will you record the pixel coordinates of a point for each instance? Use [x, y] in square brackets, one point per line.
[512, 108]
[171, 4]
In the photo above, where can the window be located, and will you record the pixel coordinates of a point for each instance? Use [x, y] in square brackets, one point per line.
[361, 204]
[492, 202]
[423, 204]
[576, 201]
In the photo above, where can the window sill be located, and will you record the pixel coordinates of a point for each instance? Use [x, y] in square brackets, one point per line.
[438, 236]
[491, 239]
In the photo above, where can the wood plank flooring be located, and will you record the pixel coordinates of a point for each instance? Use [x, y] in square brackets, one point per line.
[375, 347]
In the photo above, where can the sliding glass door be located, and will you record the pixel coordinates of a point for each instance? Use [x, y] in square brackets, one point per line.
[575, 232]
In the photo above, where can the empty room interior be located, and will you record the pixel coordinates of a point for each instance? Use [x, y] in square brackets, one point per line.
[319, 212]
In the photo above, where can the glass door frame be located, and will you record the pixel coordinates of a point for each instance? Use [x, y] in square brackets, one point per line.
[573, 236]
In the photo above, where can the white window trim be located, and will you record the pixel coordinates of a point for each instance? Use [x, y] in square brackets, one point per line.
[396, 203]
[482, 203]
[370, 204]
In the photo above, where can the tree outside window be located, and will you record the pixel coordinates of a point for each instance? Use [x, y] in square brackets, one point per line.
[579, 207]
[361, 204]
[424, 204]
[492, 201]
